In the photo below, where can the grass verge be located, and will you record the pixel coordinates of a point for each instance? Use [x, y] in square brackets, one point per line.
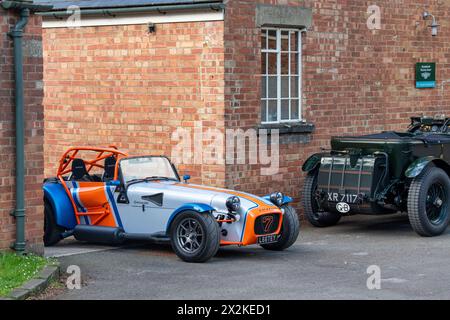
[15, 270]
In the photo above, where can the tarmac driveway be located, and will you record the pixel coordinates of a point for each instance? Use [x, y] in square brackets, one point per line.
[327, 263]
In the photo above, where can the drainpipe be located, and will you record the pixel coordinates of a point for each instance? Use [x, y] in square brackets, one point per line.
[16, 34]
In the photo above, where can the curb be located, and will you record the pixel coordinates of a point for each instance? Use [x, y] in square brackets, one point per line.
[36, 285]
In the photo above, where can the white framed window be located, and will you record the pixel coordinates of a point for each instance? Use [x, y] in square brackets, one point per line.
[281, 72]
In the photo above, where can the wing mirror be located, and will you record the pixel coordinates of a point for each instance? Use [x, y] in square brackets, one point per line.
[186, 178]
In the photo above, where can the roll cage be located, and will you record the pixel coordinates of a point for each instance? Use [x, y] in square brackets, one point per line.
[101, 154]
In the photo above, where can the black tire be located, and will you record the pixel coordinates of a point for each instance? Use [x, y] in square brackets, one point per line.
[316, 217]
[428, 202]
[52, 232]
[208, 242]
[289, 231]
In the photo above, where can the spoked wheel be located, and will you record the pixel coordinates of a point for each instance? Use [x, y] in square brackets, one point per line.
[195, 237]
[313, 213]
[190, 235]
[436, 198]
[428, 202]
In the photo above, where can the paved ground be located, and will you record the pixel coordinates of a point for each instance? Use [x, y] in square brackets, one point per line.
[324, 264]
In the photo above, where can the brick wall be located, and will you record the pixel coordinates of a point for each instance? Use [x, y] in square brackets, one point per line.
[34, 126]
[121, 85]
[355, 80]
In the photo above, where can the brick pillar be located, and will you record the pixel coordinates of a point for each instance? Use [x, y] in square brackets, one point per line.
[34, 132]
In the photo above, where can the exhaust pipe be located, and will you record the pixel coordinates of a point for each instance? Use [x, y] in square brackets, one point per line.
[97, 234]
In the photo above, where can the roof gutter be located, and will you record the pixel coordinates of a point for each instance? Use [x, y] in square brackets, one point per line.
[16, 33]
[114, 11]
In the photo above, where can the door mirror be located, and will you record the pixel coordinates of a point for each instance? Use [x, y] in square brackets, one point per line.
[186, 178]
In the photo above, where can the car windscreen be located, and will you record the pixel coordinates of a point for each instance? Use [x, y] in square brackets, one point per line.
[147, 167]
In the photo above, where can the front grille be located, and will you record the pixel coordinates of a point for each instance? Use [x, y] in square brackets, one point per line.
[267, 224]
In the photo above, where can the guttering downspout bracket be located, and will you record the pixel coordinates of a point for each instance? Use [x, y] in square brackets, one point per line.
[161, 12]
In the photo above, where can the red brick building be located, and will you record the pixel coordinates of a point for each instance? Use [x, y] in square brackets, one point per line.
[131, 73]
[34, 131]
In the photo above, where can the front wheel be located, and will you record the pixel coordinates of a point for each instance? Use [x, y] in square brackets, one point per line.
[313, 213]
[289, 231]
[428, 202]
[195, 237]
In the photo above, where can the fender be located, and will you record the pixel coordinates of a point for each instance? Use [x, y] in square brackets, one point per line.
[286, 199]
[312, 162]
[61, 205]
[417, 167]
[197, 207]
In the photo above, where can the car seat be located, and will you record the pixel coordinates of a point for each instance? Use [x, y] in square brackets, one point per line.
[79, 171]
[110, 168]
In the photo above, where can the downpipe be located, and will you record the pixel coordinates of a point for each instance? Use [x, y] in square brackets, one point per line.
[16, 34]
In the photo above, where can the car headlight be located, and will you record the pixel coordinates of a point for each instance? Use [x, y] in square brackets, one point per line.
[233, 204]
[277, 198]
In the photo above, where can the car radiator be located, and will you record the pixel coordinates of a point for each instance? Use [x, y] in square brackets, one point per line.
[355, 181]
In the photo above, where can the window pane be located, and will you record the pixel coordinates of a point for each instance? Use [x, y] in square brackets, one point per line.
[273, 109]
[284, 40]
[264, 63]
[264, 39]
[294, 63]
[295, 109]
[294, 40]
[280, 80]
[263, 110]
[272, 68]
[285, 63]
[273, 87]
[285, 87]
[272, 39]
[264, 87]
[294, 87]
[285, 110]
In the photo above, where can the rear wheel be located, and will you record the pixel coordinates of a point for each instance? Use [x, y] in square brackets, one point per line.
[195, 237]
[52, 232]
[313, 213]
[428, 202]
[289, 231]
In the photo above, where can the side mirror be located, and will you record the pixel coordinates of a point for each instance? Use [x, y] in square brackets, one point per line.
[115, 183]
[186, 178]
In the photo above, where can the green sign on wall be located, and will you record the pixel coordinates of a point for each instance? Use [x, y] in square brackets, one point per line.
[425, 75]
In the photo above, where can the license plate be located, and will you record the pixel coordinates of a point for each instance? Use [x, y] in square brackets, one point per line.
[340, 197]
[268, 239]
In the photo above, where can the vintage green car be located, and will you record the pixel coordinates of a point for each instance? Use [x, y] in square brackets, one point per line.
[384, 173]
